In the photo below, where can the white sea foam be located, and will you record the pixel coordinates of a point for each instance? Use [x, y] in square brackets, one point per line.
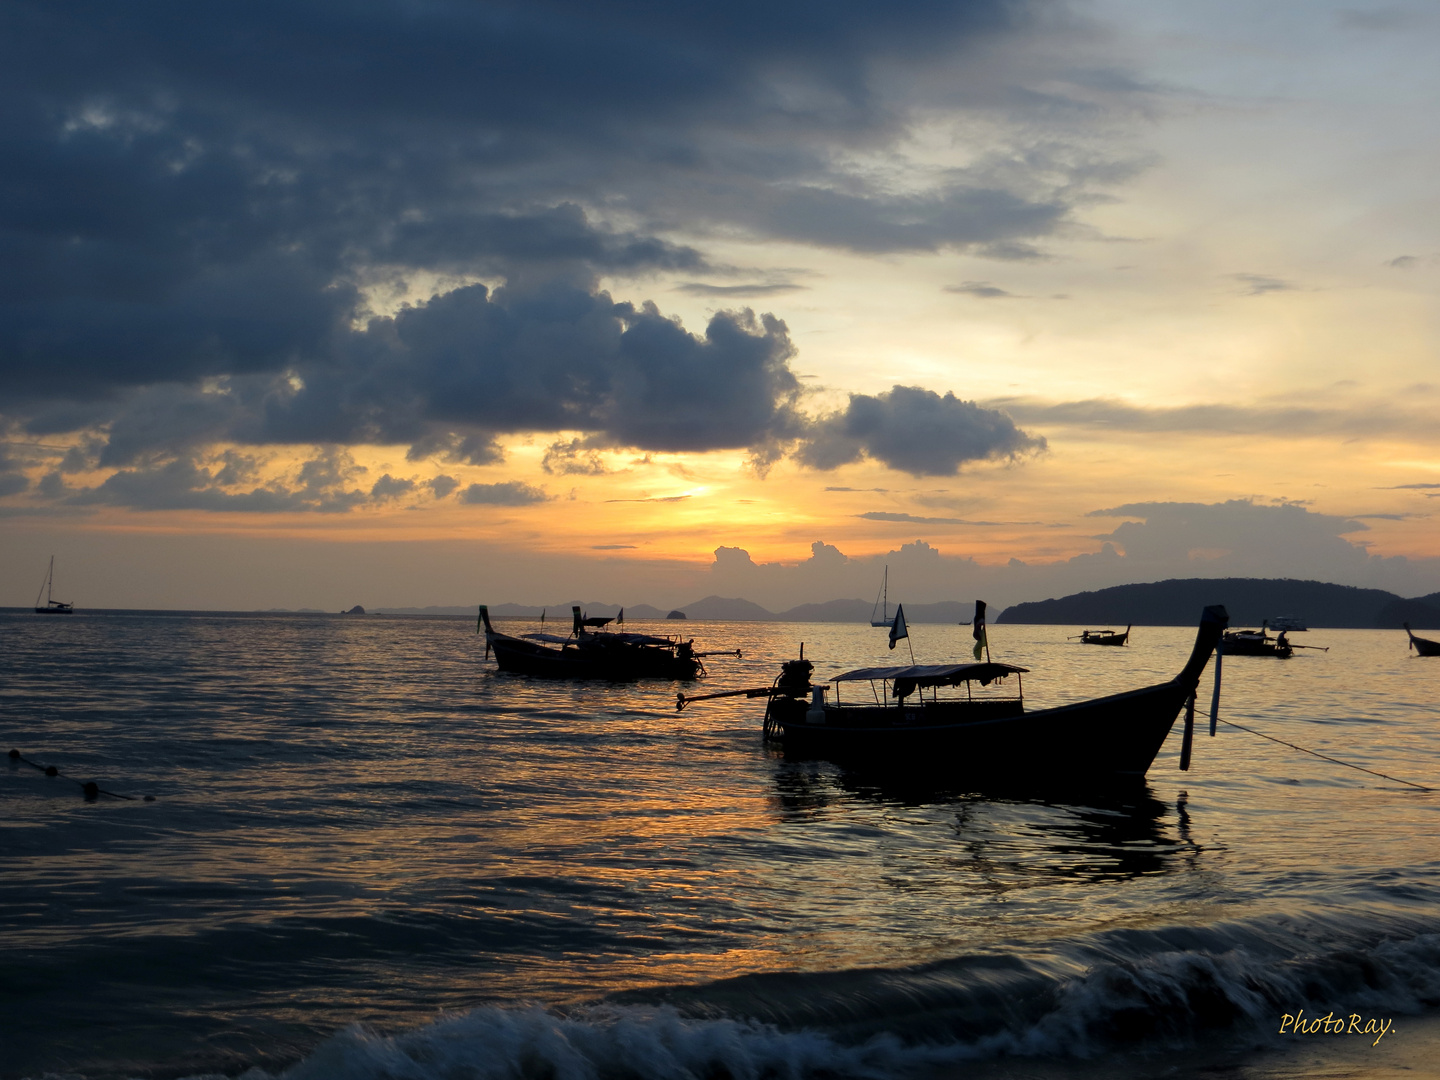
[1166, 999]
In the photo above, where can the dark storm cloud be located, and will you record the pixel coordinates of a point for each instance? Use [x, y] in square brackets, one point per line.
[12, 479]
[195, 200]
[446, 376]
[509, 493]
[915, 431]
[867, 222]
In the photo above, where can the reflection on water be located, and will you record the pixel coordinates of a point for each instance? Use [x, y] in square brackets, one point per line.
[1083, 835]
[357, 819]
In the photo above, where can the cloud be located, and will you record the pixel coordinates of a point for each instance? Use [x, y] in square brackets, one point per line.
[441, 486]
[322, 485]
[210, 217]
[572, 458]
[12, 478]
[1239, 533]
[983, 289]
[1260, 284]
[389, 487]
[695, 288]
[449, 375]
[509, 493]
[885, 515]
[1380, 19]
[915, 431]
[1403, 262]
[1356, 416]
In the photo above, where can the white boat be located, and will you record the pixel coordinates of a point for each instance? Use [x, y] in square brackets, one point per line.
[1288, 624]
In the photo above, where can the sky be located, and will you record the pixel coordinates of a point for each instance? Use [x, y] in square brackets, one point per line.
[311, 304]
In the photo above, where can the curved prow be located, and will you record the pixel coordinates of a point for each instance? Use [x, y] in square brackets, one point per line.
[485, 620]
[1212, 624]
[1423, 646]
[579, 627]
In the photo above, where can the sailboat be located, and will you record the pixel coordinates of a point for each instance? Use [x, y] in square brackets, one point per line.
[883, 603]
[52, 607]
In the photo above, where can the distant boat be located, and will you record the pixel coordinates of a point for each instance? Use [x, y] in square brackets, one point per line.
[1260, 643]
[1287, 624]
[973, 733]
[52, 607]
[587, 654]
[883, 603]
[1104, 637]
[1423, 646]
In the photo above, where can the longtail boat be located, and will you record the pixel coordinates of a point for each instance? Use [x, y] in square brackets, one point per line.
[1256, 643]
[1423, 646]
[590, 653]
[1103, 637]
[970, 731]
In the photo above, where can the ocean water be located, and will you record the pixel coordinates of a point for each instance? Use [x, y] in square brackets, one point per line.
[370, 855]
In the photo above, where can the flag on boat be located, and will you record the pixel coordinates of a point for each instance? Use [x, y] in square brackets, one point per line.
[897, 628]
[979, 632]
[621, 620]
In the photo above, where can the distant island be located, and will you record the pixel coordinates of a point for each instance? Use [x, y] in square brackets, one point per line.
[1178, 602]
[714, 609]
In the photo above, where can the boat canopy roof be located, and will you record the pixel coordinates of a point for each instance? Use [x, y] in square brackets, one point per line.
[933, 674]
[639, 639]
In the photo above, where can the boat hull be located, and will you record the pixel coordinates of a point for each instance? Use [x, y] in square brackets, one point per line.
[1114, 737]
[1256, 648]
[1423, 646]
[594, 659]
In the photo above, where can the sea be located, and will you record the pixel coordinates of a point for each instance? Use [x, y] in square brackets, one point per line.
[346, 847]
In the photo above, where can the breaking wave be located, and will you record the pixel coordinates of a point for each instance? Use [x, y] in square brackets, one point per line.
[884, 1023]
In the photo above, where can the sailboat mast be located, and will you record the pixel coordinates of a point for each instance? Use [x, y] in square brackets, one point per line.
[46, 584]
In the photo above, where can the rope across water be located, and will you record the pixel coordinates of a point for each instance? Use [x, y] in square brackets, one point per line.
[91, 789]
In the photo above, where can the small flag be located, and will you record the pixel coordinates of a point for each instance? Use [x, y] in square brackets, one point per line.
[542, 616]
[621, 620]
[979, 632]
[897, 628]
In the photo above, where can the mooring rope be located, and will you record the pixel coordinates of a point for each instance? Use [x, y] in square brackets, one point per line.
[1337, 761]
[89, 787]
